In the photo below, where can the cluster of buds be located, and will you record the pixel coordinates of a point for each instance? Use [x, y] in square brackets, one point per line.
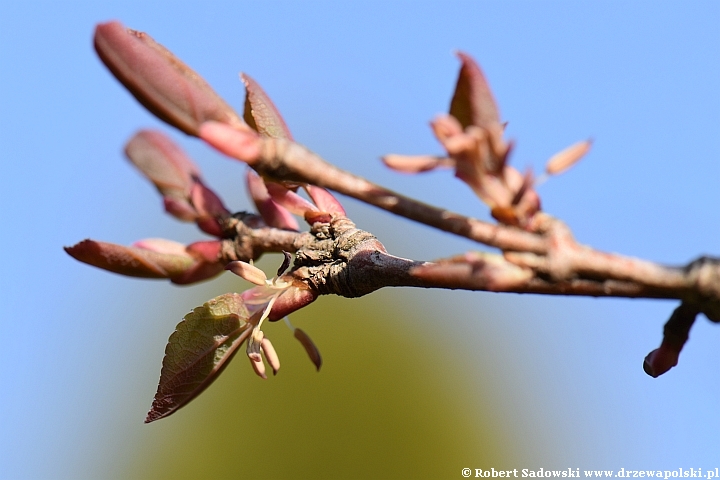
[472, 136]
[179, 96]
[186, 198]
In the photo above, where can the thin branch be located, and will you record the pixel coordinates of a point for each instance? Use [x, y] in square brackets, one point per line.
[292, 162]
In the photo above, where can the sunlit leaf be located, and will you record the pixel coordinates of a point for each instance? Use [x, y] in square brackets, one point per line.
[473, 102]
[260, 112]
[202, 345]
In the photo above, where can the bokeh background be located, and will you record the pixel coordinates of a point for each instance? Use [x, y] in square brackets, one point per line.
[416, 384]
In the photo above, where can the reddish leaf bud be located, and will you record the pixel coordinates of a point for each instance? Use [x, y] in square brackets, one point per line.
[160, 81]
[162, 162]
[473, 102]
[131, 261]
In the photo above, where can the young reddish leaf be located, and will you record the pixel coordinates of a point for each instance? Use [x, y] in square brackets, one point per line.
[160, 81]
[131, 261]
[199, 349]
[260, 112]
[473, 102]
[162, 162]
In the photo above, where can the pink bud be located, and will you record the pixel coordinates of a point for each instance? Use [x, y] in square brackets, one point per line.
[159, 80]
[162, 162]
[132, 261]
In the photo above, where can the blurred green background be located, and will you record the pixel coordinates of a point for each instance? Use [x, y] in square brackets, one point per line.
[415, 383]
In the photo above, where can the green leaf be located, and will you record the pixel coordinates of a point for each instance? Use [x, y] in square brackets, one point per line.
[201, 347]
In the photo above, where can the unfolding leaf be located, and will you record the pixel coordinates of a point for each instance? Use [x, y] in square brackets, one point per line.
[473, 102]
[160, 81]
[201, 346]
[260, 112]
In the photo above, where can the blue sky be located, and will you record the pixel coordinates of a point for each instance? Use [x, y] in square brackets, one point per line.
[356, 80]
